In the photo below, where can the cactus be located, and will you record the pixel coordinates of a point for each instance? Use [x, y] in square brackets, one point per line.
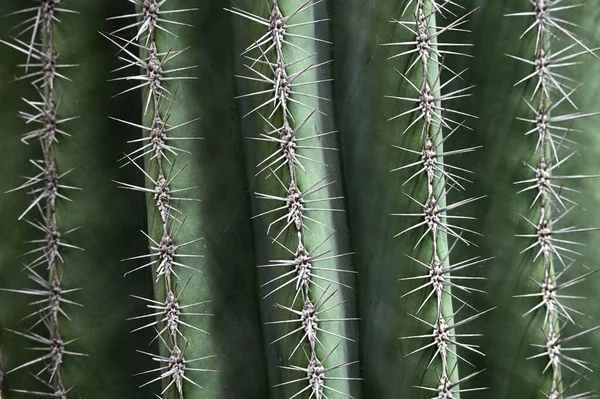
[212, 212]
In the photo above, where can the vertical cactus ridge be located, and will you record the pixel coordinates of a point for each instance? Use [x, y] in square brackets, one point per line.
[159, 147]
[553, 246]
[281, 59]
[36, 40]
[430, 117]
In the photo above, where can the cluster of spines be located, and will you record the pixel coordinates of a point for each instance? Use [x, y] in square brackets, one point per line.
[35, 39]
[426, 53]
[551, 203]
[157, 147]
[308, 306]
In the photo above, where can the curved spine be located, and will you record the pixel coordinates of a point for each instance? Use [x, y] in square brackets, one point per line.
[158, 147]
[432, 117]
[297, 209]
[43, 66]
[552, 245]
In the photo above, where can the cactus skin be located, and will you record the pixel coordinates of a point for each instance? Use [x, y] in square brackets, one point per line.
[372, 112]
[104, 140]
[231, 338]
[222, 219]
[552, 200]
[436, 121]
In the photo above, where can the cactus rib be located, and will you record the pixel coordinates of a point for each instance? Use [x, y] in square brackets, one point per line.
[282, 58]
[43, 66]
[431, 118]
[552, 203]
[158, 148]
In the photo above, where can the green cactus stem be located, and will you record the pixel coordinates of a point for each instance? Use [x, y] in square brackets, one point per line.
[554, 246]
[171, 241]
[304, 265]
[426, 249]
[37, 42]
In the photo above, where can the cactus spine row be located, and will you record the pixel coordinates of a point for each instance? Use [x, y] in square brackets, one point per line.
[158, 148]
[43, 66]
[553, 245]
[431, 116]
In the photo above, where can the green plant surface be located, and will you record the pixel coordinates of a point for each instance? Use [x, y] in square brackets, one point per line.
[332, 109]
[507, 335]
[223, 214]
